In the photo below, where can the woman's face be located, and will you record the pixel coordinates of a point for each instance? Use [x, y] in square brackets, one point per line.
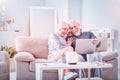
[63, 31]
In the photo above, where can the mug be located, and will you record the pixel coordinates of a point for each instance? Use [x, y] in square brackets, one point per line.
[90, 58]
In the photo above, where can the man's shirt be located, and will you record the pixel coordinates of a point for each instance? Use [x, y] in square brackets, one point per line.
[83, 35]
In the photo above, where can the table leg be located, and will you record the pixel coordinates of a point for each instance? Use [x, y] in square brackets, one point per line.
[60, 74]
[39, 74]
[80, 73]
[89, 73]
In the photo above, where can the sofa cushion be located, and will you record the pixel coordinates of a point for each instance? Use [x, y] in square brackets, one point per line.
[24, 56]
[32, 64]
[107, 56]
[103, 45]
[37, 46]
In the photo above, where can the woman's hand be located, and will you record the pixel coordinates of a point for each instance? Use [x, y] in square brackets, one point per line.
[68, 49]
[70, 41]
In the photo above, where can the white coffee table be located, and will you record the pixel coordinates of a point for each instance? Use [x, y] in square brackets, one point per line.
[61, 66]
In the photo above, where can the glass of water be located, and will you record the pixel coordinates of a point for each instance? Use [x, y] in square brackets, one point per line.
[90, 58]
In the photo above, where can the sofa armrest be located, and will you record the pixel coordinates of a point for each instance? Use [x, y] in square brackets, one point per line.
[4, 56]
[4, 65]
[107, 56]
[24, 56]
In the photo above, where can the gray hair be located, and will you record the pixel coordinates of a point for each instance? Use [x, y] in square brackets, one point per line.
[61, 25]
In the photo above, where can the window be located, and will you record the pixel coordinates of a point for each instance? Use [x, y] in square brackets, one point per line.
[2, 14]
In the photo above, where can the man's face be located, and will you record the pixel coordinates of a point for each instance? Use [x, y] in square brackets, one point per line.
[75, 28]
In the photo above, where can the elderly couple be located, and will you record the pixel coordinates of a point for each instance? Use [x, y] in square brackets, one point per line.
[63, 41]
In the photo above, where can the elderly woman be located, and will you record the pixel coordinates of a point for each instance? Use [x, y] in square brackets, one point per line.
[58, 47]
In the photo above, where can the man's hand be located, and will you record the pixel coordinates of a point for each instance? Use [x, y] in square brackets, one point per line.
[95, 42]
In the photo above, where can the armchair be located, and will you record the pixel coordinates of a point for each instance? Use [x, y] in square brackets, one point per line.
[4, 65]
[110, 73]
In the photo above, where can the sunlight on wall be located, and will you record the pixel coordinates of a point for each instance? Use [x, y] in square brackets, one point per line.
[115, 12]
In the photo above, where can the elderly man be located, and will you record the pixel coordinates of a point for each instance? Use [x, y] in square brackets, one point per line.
[76, 33]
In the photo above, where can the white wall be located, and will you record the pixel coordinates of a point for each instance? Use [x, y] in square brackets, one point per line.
[19, 11]
[8, 38]
[99, 12]
[66, 9]
[61, 8]
[74, 10]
